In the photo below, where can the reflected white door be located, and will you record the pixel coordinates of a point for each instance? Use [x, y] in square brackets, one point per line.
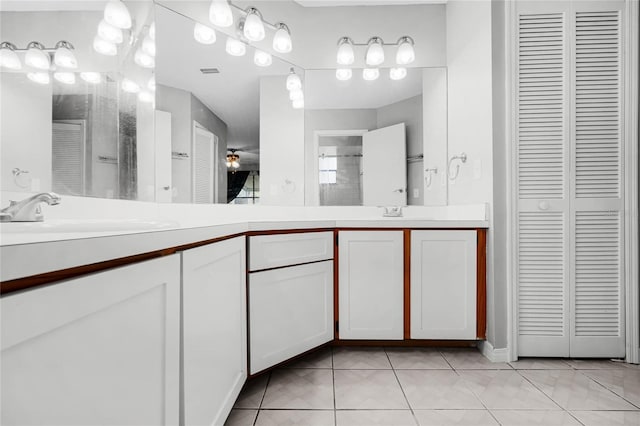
[68, 157]
[203, 165]
[384, 185]
[163, 156]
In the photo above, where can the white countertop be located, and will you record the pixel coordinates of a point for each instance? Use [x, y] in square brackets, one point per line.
[60, 242]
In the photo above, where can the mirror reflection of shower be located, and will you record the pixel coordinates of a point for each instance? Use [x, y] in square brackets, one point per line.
[340, 170]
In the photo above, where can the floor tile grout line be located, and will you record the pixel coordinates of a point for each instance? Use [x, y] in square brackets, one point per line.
[413, 414]
[540, 390]
[637, 406]
[264, 393]
[333, 376]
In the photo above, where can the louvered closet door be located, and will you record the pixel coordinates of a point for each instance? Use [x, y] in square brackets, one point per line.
[597, 316]
[569, 182]
[542, 183]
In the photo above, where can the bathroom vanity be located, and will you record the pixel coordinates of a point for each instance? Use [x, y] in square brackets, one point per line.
[110, 324]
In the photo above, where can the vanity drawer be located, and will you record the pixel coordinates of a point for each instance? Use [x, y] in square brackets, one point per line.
[272, 251]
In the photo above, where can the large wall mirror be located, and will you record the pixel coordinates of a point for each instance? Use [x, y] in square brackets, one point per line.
[163, 128]
[81, 124]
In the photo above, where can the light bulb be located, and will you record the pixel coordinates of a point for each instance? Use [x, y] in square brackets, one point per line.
[296, 94]
[36, 57]
[298, 104]
[65, 77]
[64, 56]
[235, 164]
[228, 163]
[220, 13]
[8, 57]
[204, 34]
[39, 77]
[282, 39]
[144, 60]
[262, 59]
[293, 81]
[104, 47]
[108, 32]
[152, 31]
[235, 47]
[370, 74]
[253, 26]
[149, 46]
[345, 54]
[129, 86]
[405, 54]
[397, 73]
[151, 84]
[344, 74]
[91, 77]
[117, 14]
[146, 97]
[375, 52]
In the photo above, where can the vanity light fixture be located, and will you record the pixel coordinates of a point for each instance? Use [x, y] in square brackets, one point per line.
[149, 46]
[262, 59]
[39, 77]
[108, 32]
[151, 84]
[152, 31]
[117, 14]
[204, 34]
[91, 77]
[129, 86]
[370, 74]
[375, 52]
[296, 94]
[235, 47]
[397, 73]
[64, 57]
[104, 47]
[344, 74]
[298, 104]
[146, 97]
[36, 57]
[220, 13]
[144, 60]
[8, 57]
[65, 77]
[253, 27]
[345, 55]
[282, 39]
[406, 53]
[293, 81]
[233, 159]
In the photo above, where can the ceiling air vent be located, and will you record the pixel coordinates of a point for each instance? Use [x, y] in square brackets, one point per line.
[209, 70]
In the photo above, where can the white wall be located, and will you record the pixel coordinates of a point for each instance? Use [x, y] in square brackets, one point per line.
[25, 132]
[282, 163]
[434, 107]
[470, 120]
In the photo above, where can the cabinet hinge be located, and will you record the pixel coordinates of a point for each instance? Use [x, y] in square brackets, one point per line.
[337, 326]
[336, 239]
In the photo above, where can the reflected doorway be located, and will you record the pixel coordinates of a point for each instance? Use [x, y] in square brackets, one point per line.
[340, 170]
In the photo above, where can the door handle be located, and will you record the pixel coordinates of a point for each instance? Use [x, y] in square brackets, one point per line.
[400, 190]
[166, 188]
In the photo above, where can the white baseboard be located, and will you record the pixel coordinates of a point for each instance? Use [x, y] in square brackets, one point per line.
[492, 354]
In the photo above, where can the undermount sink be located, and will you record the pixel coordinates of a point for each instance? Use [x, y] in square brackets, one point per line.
[85, 225]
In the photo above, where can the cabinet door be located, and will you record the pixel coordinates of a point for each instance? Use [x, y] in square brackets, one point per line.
[371, 285]
[101, 349]
[290, 312]
[214, 330]
[443, 284]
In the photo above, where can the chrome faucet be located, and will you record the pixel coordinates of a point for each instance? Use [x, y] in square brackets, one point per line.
[28, 210]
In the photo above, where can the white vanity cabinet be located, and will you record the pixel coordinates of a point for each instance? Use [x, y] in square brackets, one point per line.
[443, 284]
[371, 284]
[290, 296]
[99, 349]
[214, 330]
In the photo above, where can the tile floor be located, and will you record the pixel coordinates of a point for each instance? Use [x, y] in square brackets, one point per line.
[443, 387]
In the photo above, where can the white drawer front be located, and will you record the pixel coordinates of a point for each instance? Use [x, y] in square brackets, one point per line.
[272, 251]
